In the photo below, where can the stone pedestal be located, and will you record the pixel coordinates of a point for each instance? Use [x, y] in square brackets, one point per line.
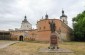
[53, 41]
[60, 51]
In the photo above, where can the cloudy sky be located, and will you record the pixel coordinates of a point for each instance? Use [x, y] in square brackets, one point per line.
[12, 12]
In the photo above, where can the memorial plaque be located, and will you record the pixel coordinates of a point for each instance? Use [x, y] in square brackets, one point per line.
[53, 39]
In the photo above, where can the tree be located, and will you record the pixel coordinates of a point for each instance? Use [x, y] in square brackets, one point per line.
[79, 27]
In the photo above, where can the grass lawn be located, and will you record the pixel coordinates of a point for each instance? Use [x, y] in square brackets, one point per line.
[27, 48]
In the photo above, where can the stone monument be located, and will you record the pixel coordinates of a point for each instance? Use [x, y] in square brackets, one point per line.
[53, 37]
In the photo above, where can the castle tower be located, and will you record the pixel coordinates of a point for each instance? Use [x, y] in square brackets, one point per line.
[46, 16]
[25, 25]
[63, 18]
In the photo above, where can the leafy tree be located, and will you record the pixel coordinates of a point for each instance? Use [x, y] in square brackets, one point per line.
[79, 27]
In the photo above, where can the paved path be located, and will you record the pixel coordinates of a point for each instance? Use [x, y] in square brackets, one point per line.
[4, 44]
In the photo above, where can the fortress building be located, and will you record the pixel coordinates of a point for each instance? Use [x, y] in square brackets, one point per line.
[22, 33]
[43, 29]
[42, 32]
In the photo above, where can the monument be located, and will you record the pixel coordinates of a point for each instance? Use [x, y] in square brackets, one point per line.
[54, 48]
[53, 37]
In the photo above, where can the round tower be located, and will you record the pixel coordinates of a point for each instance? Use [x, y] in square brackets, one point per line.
[43, 28]
[63, 18]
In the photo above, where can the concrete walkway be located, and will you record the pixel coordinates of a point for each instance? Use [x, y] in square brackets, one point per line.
[4, 44]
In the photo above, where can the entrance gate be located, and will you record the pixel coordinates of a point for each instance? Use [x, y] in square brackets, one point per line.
[21, 38]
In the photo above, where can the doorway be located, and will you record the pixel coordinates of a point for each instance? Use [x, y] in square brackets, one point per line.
[21, 38]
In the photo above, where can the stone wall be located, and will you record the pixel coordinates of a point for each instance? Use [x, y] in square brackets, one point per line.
[4, 35]
[42, 33]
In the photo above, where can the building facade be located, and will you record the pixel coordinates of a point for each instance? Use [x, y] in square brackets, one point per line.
[42, 32]
[22, 33]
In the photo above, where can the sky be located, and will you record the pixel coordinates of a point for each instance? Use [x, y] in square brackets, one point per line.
[12, 12]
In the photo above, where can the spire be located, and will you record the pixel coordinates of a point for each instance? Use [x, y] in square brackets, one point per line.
[25, 19]
[46, 16]
[62, 12]
[63, 15]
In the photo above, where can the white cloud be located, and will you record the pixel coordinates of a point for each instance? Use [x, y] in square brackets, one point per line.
[12, 11]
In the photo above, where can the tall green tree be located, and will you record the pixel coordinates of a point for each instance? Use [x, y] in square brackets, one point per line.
[79, 27]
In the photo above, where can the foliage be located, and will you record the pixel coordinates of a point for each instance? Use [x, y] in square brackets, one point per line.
[79, 27]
